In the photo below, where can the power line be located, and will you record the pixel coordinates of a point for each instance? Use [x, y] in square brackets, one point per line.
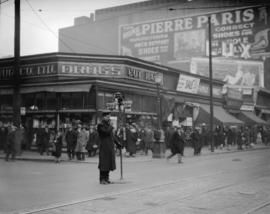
[45, 24]
[27, 22]
[2, 2]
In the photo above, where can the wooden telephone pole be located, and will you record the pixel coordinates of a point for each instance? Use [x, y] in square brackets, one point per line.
[16, 75]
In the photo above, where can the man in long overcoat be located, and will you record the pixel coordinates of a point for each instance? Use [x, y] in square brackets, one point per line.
[71, 139]
[106, 149]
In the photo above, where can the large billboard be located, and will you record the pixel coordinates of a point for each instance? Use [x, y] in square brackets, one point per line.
[239, 33]
[241, 73]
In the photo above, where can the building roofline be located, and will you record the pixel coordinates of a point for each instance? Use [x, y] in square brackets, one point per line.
[119, 58]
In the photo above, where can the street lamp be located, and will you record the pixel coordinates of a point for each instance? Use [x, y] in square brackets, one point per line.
[119, 98]
[158, 81]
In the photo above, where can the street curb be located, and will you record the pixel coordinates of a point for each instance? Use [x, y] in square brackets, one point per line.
[148, 160]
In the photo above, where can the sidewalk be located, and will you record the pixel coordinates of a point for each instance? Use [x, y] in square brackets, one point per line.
[35, 156]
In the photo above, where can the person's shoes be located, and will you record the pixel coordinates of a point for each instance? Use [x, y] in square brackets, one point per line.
[180, 162]
[109, 182]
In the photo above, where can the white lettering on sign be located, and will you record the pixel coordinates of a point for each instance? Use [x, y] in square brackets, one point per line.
[91, 69]
[188, 84]
[142, 74]
[29, 70]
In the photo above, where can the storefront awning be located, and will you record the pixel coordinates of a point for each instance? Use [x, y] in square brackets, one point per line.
[221, 117]
[6, 91]
[250, 118]
[49, 88]
[57, 88]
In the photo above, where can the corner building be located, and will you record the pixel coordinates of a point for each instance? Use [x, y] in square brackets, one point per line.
[58, 89]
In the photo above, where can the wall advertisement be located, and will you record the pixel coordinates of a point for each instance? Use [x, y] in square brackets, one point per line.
[242, 73]
[241, 33]
[188, 84]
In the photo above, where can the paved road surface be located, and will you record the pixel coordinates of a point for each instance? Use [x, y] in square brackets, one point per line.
[225, 183]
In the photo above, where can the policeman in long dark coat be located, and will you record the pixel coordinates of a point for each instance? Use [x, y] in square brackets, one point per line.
[106, 149]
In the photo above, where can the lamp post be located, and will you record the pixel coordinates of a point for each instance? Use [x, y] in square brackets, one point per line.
[119, 98]
[158, 81]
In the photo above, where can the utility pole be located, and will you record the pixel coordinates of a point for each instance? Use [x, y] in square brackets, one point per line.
[210, 83]
[16, 75]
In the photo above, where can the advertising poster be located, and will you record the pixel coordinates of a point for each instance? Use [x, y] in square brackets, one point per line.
[239, 33]
[188, 84]
[233, 72]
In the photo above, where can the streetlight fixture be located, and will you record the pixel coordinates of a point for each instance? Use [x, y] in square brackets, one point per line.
[158, 81]
[119, 98]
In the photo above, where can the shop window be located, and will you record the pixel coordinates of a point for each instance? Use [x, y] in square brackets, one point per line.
[77, 100]
[89, 100]
[51, 101]
[28, 100]
[66, 101]
[149, 104]
[6, 102]
[108, 98]
[40, 100]
[137, 103]
[100, 100]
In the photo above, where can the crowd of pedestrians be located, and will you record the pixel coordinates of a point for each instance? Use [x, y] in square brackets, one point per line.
[83, 141]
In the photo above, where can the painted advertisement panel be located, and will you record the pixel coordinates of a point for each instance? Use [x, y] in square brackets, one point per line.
[241, 33]
[188, 84]
[233, 72]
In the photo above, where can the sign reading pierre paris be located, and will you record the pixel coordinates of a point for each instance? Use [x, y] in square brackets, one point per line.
[242, 33]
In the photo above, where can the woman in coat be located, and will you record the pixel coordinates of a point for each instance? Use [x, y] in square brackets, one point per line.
[57, 146]
[106, 149]
[132, 136]
[177, 144]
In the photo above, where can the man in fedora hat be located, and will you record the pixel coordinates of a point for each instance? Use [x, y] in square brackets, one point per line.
[106, 148]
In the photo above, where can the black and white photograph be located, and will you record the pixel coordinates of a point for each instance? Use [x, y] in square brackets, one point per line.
[134, 107]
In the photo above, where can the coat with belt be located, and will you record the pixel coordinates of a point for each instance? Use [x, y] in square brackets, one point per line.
[82, 138]
[106, 147]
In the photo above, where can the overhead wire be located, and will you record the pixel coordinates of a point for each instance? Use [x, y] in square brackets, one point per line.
[45, 24]
[2, 2]
[162, 7]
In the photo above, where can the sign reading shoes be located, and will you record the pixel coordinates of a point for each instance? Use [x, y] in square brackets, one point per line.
[188, 84]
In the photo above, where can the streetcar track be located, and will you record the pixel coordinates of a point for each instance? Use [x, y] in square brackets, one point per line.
[141, 189]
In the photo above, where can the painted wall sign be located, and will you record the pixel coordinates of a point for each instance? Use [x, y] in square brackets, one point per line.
[242, 33]
[204, 89]
[242, 73]
[143, 74]
[188, 84]
[235, 94]
[29, 70]
[91, 69]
